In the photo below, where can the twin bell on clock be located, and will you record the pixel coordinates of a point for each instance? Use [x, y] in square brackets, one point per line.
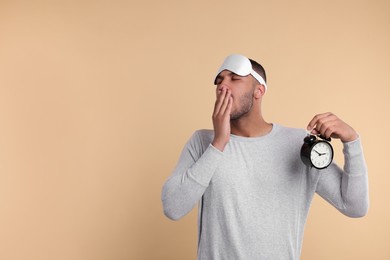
[317, 151]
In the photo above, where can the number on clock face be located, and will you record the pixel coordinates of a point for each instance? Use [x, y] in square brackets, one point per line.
[321, 155]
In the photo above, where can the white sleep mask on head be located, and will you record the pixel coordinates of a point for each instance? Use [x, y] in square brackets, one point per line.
[241, 66]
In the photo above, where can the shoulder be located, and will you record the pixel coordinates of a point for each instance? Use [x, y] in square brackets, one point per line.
[290, 130]
[200, 140]
[204, 136]
[289, 133]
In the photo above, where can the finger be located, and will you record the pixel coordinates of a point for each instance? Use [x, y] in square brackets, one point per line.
[317, 120]
[327, 128]
[219, 91]
[327, 125]
[225, 102]
[328, 132]
[219, 101]
[229, 106]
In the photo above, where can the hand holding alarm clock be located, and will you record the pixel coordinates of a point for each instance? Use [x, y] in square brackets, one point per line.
[318, 152]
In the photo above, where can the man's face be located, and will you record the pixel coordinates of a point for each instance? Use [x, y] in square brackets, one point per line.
[241, 88]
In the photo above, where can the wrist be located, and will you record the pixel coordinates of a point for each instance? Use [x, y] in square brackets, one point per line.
[219, 145]
[350, 138]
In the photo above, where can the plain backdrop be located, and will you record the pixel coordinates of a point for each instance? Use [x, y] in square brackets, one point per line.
[97, 99]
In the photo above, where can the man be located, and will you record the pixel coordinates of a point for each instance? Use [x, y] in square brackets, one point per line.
[253, 190]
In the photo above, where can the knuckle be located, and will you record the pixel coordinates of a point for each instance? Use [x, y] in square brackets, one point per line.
[322, 121]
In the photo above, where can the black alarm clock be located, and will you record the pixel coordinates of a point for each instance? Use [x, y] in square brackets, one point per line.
[317, 152]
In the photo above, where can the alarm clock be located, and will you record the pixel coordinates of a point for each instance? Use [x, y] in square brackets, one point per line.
[317, 152]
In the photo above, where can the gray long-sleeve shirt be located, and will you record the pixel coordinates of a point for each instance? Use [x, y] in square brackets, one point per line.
[254, 197]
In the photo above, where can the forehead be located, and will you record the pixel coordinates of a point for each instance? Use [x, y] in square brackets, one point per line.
[225, 73]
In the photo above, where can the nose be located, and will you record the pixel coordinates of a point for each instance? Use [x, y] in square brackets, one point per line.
[222, 87]
[223, 84]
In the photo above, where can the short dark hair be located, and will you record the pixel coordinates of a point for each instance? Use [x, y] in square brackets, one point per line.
[259, 69]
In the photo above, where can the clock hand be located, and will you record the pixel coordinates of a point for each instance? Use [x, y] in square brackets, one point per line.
[320, 154]
[317, 152]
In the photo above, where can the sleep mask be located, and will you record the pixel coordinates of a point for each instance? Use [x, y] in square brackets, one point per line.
[241, 66]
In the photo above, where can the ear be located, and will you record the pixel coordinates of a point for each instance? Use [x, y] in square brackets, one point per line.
[259, 91]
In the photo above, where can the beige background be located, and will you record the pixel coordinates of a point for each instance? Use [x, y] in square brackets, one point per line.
[97, 99]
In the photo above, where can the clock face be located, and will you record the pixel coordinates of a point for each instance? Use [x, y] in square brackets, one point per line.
[321, 155]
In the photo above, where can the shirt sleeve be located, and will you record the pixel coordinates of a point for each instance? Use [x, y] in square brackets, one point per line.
[190, 178]
[347, 190]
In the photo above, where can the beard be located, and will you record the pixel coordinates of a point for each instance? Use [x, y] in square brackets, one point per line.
[246, 104]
